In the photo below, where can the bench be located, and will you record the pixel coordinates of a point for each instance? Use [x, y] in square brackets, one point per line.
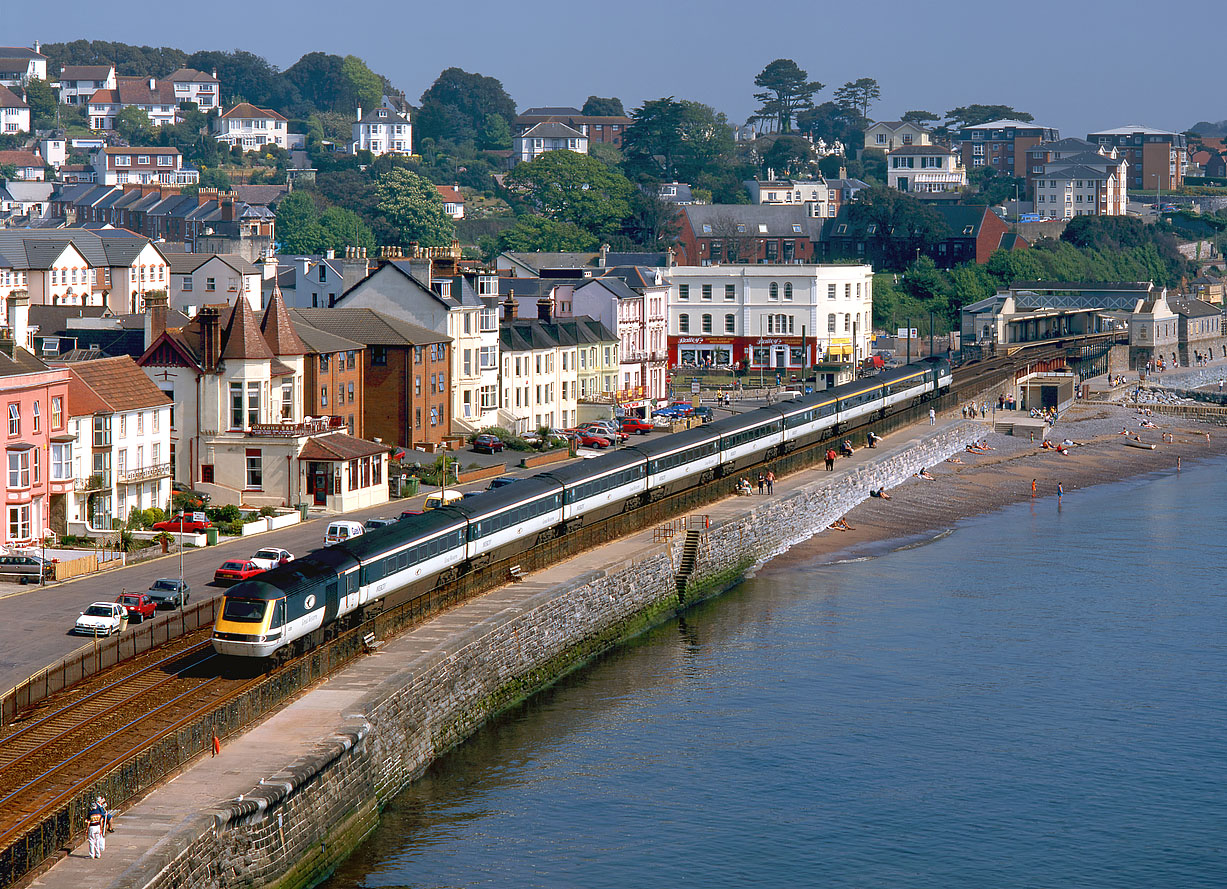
[369, 642]
[516, 573]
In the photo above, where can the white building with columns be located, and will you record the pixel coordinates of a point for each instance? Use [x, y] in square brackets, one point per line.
[782, 318]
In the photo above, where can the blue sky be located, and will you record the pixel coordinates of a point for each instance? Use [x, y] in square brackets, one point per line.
[1076, 65]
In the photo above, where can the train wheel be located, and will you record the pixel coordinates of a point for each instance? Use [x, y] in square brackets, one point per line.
[708, 475]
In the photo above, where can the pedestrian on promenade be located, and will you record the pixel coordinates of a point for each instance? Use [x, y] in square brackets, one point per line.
[932, 417]
[1032, 487]
[96, 820]
[830, 459]
[762, 483]
[770, 482]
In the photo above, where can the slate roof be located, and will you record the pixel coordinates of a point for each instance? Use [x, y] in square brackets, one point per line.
[1066, 170]
[1192, 308]
[779, 219]
[185, 75]
[186, 263]
[535, 287]
[53, 319]
[117, 383]
[384, 116]
[648, 260]
[36, 249]
[339, 446]
[319, 341]
[1067, 144]
[539, 261]
[550, 111]
[367, 326]
[28, 191]
[1005, 123]
[8, 98]
[551, 129]
[532, 334]
[20, 52]
[920, 149]
[1132, 129]
[20, 362]
[260, 194]
[86, 72]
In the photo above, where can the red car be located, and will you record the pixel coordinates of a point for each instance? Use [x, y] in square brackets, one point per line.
[634, 424]
[589, 439]
[188, 523]
[236, 570]
[140, 606]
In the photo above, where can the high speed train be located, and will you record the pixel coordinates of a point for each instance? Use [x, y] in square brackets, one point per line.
[294, 606]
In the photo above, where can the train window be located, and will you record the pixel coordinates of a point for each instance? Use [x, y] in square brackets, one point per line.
[278, 616]
[352, 581]
[244, 611]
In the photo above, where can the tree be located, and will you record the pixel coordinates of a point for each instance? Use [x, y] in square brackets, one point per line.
[134, 125]
[676, 140]
[653, 222]
[341, 228]
[533, 234]
[246, 75]
[786, 91]
[212, 177]
[456, 105]
[41, 100]
[298, 229]
[832, 123]
[574, 188]
[789, 155]
[903, 225]
[414, 209]
[598, 107]
[317, 76]
[974, 115]
[859, 94]
[919, 117]
[360, 86]
[495, 134]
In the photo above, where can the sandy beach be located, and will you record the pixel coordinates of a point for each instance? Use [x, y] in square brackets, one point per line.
[919, 509]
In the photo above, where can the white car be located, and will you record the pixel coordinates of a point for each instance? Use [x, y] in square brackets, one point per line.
[101, 619]
[271, 557]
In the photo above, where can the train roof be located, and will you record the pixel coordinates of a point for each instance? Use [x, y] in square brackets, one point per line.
[308, 572]
[418, 527]
[491, 502]
[678, 441]
[745, 420]
[594, 467]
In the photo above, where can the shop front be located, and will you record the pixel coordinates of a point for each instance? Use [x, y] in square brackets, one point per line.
[780, 353]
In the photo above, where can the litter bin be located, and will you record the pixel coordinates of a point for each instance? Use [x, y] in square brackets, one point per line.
[411, 485]
[211, 536]
[302, 511]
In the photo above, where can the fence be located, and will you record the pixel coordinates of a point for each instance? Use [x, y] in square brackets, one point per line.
[87, 564]
[102, 654]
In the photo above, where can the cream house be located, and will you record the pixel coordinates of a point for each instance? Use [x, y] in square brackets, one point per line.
[925, 168]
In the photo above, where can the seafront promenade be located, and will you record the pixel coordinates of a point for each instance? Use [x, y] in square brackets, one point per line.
[155, 838]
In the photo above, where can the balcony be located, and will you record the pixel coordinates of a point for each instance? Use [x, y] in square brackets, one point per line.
[144, 474]
[99, 481]
[297, 430]
[630, 393]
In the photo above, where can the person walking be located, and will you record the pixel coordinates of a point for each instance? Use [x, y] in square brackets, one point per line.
[1032, 487]
[770, 482]
[762, 484]
[830, 459]
[932, 417]
[96, 821]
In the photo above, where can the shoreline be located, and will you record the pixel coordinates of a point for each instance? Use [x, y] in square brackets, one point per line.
[919, 510]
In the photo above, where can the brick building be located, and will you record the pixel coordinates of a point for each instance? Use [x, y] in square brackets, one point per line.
[405, 373]
[1002, 145]
[975, 233]
[333, 376]
[606, 129]
[746, 233]
[1156, 157]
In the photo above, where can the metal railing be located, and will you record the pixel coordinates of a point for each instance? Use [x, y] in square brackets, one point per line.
[97, 482]
[296, 430]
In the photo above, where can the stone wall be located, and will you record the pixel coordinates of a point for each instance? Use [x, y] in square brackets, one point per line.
[296, 825]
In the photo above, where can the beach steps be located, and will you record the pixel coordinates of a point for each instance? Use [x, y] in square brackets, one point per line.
[1019, 425]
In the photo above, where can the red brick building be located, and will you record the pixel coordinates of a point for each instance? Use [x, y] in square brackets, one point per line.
[1001, 145]
[333, 377]
[975, 234]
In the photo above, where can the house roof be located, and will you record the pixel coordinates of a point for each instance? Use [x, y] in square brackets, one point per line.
[636, 277]
[18, 190]
[86, 72]
[449, 194]
[260, 195]
[367, 326]
[19, 158]
[385, 116]
[551, 111]
[781, 220]
[1191, 308]
[1067, 170]
[114, 385]
[1006, 123]
[538, 261]
[244, 340]
[919, 149]
[136, 91]
[185, 75]
[8, 98]
[551, 129]
[278, 328]
[186, 263]
[20, 52]
[339, 446]
[1134, 129]
[1066, 144]
[36, 248]
[318, 340]
[246, 109]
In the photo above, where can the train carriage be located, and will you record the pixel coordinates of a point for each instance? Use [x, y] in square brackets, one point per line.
[511, 519]
[681, 460]
[409, 555]
[601, 487]
[808, 420]
[749, 437]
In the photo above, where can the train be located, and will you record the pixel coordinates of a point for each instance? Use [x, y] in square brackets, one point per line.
[293, 607]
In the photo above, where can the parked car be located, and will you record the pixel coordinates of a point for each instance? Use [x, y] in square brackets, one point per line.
[607, 429]
[501, 481]
[490, 444]
[271, 557]
[236, 570]
[170, 592]
[372, 524]
[408, 514]
[442, 498]
[468, 495]
[188, 522]
[636, 425]
[101, 619]
[589, 439]
[339, 532]
[23, 568]
[138, 605]
[703, 413]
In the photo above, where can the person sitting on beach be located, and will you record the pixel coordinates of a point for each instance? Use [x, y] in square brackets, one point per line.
[924, 473]
[1124, 431]
[1068, 443]
[1146, 424]
[953, 460]
[1047, 445]
[974, 448]
[882, 494]
[840, 525]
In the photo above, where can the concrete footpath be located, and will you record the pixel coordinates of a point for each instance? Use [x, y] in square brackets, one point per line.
[298, 729]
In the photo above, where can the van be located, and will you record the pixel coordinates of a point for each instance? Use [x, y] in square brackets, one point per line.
[341, 531]
[442, 498]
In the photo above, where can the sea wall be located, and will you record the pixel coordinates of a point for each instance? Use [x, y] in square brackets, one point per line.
[293, 827]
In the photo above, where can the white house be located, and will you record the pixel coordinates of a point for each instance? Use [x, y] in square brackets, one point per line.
[382, 131]
[190, 85]
[816, 194]
[121, 451]
[925, 168]
[21, 64]
[250, 127]
[1088, 183]
[888, 135]
[14, 113]
[308, 282]
[547, 136]
[79, 82]
[144, 166]
[28, 167]
[54, 149]
[200, 279]
[453, 200]
[783, 318]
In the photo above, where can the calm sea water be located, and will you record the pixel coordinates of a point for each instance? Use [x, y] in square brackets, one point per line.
[1035, 700]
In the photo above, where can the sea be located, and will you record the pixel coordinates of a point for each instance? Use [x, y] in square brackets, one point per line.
[1033, 698]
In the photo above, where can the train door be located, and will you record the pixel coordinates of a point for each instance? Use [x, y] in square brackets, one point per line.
[331, 604]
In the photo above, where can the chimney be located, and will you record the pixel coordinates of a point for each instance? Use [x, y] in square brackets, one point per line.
[544, 306]
[227, 206]
[330, 253]
[510, 306]
[359, 112]
[843, 172]
[604, 254]
[215, 74]
[157, 305]
[18, 305]
[210, 337]
[153, 84]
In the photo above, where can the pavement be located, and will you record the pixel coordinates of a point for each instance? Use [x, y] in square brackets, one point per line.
[296, 729]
